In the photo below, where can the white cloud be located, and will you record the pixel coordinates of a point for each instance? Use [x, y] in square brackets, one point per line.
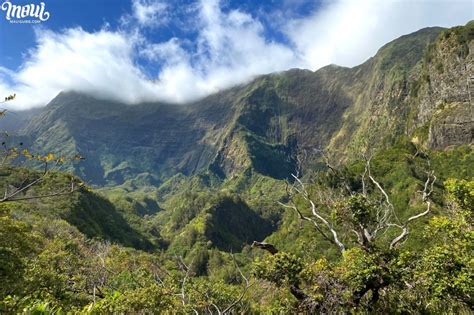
[150, 12]
[100, 63]
[167, 53]
[230, 48]
[347, 32]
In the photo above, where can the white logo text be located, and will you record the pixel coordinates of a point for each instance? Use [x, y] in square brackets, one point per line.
[17, 13]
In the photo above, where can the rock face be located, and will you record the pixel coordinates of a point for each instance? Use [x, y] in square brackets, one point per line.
[452, 126]
[446, 98]
[417, 85]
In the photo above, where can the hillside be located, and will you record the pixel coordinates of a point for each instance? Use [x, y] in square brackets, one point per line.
[412, 84]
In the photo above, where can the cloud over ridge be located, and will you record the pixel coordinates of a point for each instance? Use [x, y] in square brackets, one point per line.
[230, 47]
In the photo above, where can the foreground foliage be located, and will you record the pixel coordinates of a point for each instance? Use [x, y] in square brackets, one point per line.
[49, 266]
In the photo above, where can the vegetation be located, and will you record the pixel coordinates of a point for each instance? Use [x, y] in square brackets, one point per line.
[380, 275]
[50, 266]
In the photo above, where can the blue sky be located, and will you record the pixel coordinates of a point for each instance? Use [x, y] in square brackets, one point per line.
[178, 51]
[92, 15]
[16, 39]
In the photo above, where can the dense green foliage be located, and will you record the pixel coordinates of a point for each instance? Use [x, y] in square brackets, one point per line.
[438, 277]
[51, 266]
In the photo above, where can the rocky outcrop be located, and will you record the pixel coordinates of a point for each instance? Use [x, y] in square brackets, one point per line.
[445, 89]
[452, 126]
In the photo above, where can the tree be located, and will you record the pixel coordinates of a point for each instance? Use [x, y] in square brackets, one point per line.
[366, 215]
[12, 157]
[445, 270]
[374, 272]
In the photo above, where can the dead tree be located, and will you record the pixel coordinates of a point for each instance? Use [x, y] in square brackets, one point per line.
[322, 225]
[426, 193]
[383, 217]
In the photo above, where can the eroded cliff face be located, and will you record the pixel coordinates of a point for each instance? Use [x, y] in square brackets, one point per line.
[446, 71]
[419, 86]
[452, 125]
[120, 141]
[445, 101]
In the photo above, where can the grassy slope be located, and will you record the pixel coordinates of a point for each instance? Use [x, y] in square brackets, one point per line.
[92, 214]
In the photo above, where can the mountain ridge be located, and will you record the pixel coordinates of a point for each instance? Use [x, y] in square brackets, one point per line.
[282, 118]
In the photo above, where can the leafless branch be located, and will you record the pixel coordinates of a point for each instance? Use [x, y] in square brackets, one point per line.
[305, 218]
[315, 212]
[10, 197]
[426, 193]
[244, 291]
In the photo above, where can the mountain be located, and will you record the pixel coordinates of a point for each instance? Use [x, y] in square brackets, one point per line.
[18, 119]
[414, 86]
[182, 176]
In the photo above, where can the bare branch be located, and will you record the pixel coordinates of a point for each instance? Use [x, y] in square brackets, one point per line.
[244, 291]
[186, 270]
[315, 213]
[376, 183]
[216, 307]
[10, 197]
[305, 218]
[328, 225]
[426, 193]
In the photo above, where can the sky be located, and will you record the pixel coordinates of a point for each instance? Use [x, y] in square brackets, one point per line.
[178, 51]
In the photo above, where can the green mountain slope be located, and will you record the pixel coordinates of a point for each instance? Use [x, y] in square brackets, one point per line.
[92, 214]
[271, 122]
